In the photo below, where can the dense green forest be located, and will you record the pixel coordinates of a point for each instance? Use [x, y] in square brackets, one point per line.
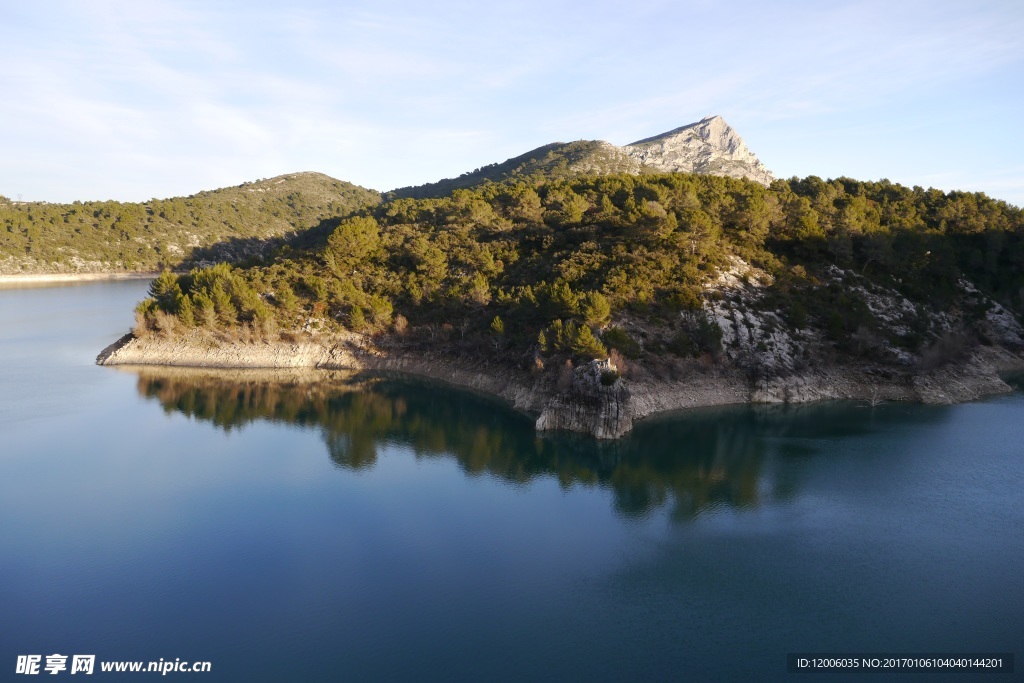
[574, 267]
[230, 224]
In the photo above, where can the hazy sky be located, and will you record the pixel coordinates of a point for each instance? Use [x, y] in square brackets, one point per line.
[136, 99]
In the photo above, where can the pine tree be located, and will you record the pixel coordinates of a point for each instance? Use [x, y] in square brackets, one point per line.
[586, 344]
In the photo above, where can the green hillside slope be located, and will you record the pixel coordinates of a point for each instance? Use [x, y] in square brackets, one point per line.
[242, 221]
[557, 160]
[656, 266]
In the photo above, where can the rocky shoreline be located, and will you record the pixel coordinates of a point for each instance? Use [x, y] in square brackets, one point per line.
[592, 399]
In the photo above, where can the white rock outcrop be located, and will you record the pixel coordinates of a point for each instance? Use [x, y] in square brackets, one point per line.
[597, 402]
[709, 146]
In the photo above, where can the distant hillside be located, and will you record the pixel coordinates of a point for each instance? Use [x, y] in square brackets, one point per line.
[229, 224]
[710, 146]
[556, 160]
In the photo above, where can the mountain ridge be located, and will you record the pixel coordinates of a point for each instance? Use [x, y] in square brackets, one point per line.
[709, 146]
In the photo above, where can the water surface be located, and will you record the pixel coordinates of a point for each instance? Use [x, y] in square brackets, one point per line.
[385, 529]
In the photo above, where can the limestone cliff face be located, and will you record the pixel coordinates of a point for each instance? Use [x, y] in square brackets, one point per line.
[970, 379]
[709, 146]
[597, 402]
[343, 351]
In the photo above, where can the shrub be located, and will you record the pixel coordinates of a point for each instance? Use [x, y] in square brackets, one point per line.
[617, 338]
[949, 347]
[700, 333]
[565, 377]
[619, 361]
[356, 319]
[164, 322]
[380, 310]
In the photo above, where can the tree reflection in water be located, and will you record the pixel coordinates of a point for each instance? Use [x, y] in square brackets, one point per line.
[693, 461]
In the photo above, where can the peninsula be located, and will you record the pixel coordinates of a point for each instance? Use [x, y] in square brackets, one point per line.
[592, 285]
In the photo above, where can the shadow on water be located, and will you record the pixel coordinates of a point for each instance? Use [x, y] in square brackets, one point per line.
[692, 460]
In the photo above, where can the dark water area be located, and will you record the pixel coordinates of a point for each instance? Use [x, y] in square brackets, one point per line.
[383, 528]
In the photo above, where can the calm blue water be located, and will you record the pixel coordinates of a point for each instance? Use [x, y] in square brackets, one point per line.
[396, 530]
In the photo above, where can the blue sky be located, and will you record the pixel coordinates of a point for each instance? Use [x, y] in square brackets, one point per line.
[136, 99]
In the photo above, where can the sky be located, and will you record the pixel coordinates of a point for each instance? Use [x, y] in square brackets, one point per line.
[131, 100]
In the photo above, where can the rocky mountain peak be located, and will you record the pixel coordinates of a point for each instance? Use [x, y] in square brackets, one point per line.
[708, 146]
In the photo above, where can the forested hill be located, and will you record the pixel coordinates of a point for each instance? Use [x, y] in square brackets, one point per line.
[655, 266]
[229, 224]
[556, 160]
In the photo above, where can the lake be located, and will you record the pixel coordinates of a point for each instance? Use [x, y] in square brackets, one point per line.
[390, 529]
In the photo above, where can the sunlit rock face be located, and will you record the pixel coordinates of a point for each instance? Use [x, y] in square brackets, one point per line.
[709, 146]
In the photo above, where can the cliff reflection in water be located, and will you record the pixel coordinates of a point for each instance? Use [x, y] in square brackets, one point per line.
[694, 461]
